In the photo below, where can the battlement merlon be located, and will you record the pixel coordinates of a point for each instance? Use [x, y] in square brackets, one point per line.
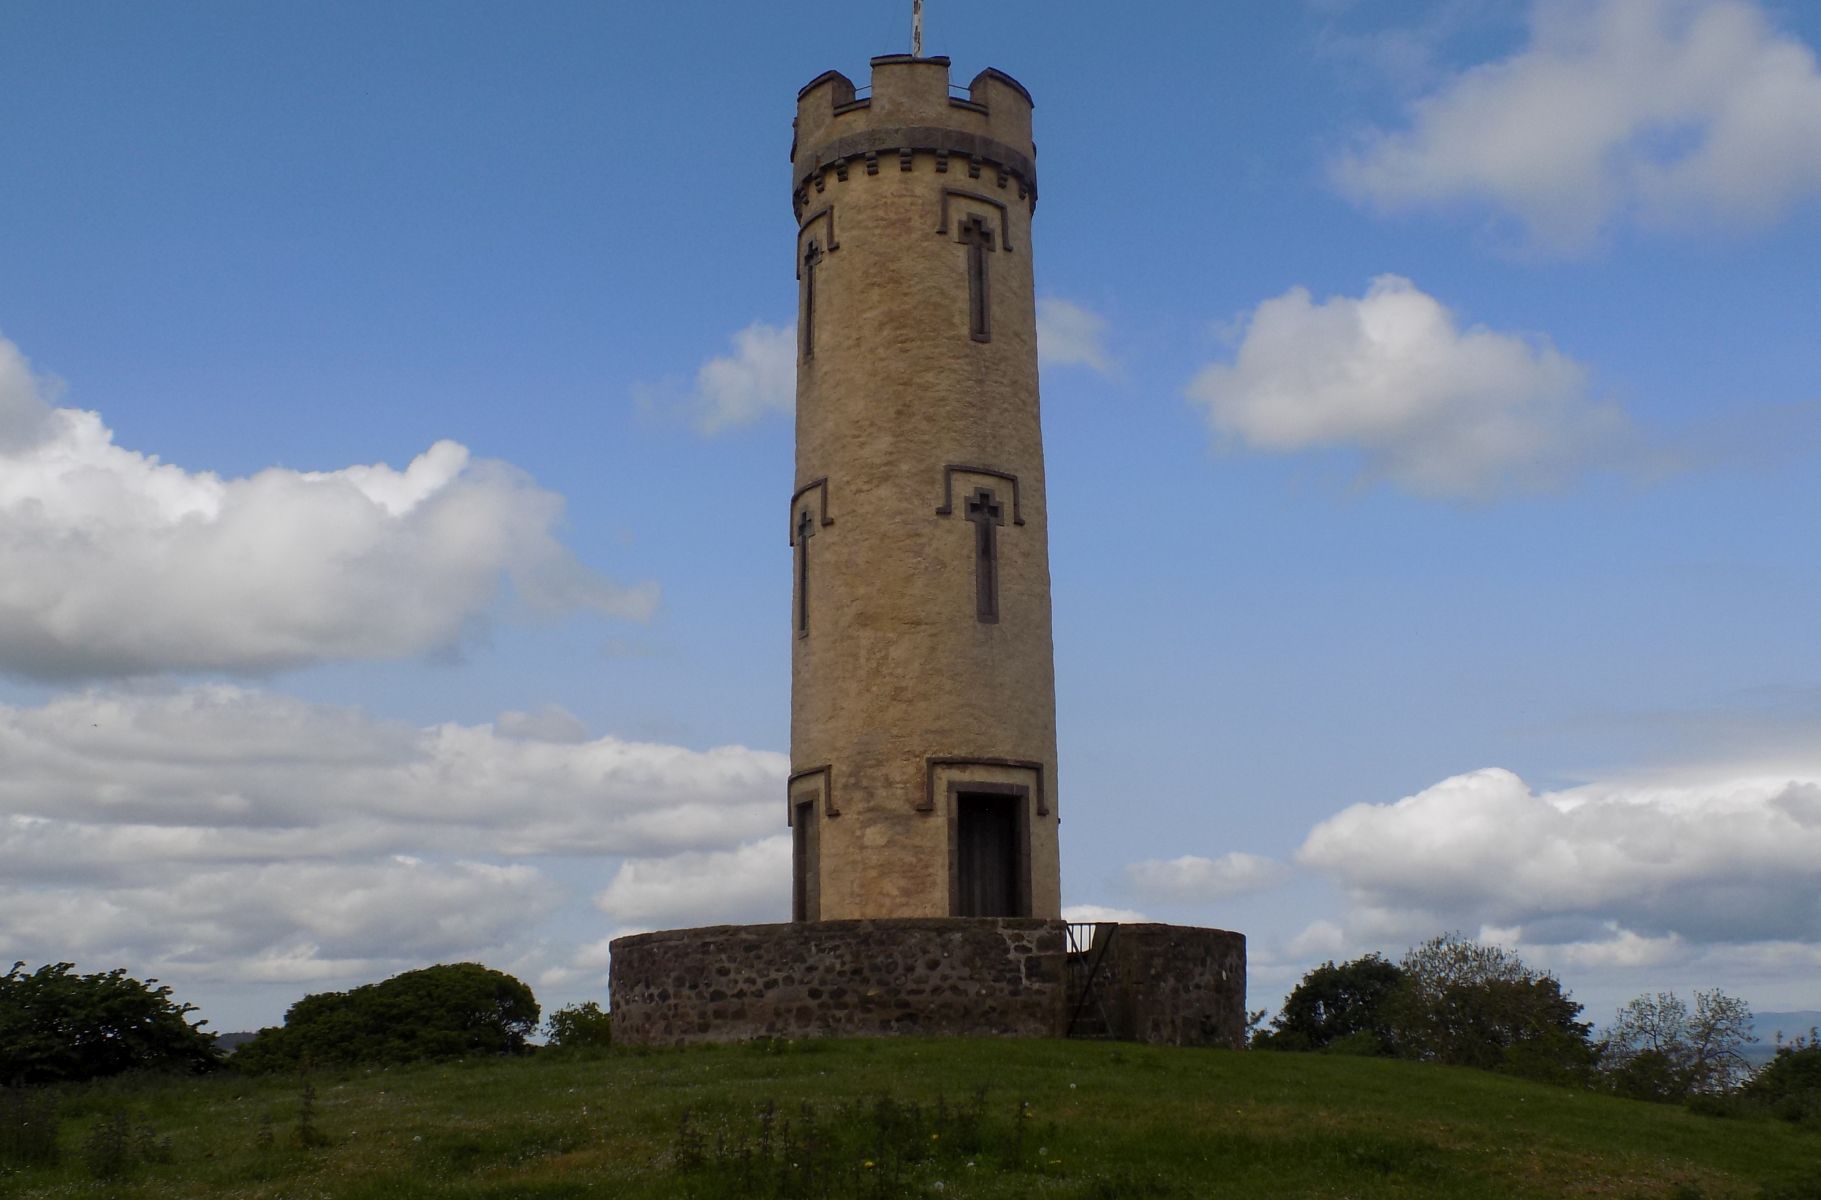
[909, 108]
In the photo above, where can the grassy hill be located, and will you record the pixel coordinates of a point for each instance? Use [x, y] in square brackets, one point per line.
[908, 1118]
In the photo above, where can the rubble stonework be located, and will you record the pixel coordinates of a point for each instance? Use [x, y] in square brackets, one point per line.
[987, 977]
[956, 977]
[1175, 984]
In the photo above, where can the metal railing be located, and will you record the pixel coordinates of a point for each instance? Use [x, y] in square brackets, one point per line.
[1088, 943]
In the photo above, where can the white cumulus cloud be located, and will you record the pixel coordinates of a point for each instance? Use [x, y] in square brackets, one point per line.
[757, 380]
[214, 772]
[1097, 912]
[114, 563]
[1192, 878]
[1667, 111]
[1434, 408]
[1623, 870]
[240, 834]
[552, 723]
[281, 920]
[1069, 335]
[1318, 939]
[747, 885]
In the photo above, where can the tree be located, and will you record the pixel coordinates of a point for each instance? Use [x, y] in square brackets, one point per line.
[1719, 1032]
[56, 1025]
[1790, 1084]
[1658, 1050]
[1339, 1007]
[1475, 1005]
[444, 1011]
[581, 1026]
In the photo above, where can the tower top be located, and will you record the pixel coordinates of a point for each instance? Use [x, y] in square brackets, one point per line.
[911, 106]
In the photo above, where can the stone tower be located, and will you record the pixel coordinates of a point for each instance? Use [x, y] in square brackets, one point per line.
[923, 727]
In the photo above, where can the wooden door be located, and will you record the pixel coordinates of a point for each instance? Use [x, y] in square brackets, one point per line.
[986, 855]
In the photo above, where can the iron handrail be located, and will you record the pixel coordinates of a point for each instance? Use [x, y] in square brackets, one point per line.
[1099, 946]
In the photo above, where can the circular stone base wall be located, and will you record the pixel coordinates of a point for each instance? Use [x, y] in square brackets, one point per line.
[1008, 977]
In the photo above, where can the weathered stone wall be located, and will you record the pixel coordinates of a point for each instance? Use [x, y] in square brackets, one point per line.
[983, 977]
[986, 977]
[1177, 985]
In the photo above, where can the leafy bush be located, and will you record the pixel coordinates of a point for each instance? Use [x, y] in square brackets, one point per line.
[581, 1026]
[56, 1025]
[1472, 1005]
[107, 1151]
[1450, 1000]
[444, 1011]
[1647, 1074]
[1343, 1008]
[1790, 1084]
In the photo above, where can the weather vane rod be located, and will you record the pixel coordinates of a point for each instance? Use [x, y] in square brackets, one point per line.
[916, 28]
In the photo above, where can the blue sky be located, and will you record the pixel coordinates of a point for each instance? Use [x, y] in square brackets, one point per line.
[394, 442]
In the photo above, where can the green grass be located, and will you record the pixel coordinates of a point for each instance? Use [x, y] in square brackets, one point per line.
[1094, 1121]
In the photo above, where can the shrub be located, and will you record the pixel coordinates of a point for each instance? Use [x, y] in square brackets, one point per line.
[581, 1026]
[107, 1152]
[444, 1011]
[1341, 1008]
[1790, 1084]
[1450, 1000]
[1473, 1005]
[56, 1025]
[1648, 1074]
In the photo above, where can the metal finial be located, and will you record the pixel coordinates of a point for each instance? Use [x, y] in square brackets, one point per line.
[916, 28]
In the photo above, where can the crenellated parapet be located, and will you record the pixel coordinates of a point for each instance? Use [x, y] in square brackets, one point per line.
[908, 119]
